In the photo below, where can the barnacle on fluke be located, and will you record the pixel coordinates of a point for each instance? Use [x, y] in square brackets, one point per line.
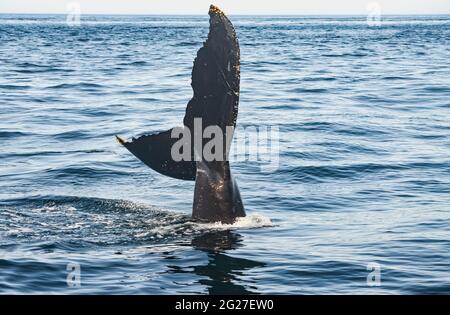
[215, 10]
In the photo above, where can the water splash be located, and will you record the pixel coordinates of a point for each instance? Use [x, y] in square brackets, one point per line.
[105, 221]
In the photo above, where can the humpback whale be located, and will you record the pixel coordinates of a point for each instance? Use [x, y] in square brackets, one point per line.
[215, 84]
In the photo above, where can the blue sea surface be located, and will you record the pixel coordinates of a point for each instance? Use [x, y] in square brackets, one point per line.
[363, 184]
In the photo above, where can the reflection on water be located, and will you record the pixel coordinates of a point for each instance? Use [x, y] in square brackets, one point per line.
[217, 241]
[222, 273]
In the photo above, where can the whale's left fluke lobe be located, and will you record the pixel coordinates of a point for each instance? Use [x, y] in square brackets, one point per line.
[216, 84]
[155, 151]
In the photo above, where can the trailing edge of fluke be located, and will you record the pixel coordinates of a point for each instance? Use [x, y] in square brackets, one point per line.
[215, 83]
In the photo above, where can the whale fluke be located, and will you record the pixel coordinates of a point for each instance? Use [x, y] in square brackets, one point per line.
[215, 84]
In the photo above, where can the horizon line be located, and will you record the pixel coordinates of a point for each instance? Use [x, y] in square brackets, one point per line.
[239, 14]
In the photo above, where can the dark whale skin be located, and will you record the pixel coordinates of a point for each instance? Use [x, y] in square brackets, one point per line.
[216, 196]
[215, 84]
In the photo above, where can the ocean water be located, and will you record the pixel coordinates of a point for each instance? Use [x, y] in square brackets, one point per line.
[363, 184]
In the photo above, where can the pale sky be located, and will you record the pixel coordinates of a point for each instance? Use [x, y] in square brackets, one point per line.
[292, 7]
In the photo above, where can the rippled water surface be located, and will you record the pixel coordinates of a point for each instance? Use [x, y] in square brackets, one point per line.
[363, 177]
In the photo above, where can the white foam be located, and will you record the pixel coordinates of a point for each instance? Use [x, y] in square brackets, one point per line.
[252, 221]
[19, 231]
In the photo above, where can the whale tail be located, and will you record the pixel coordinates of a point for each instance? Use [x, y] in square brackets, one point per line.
[215, 83]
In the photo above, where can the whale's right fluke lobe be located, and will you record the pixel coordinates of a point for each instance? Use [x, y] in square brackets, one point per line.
[216, 76]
